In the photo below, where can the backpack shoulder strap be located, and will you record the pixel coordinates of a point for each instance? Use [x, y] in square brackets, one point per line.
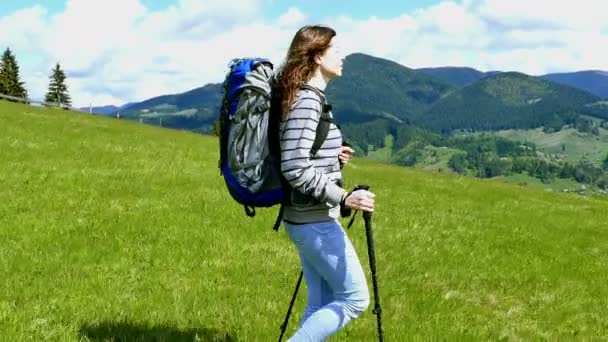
[322, 132]
[324, 123]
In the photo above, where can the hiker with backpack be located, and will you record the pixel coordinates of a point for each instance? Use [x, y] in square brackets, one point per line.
[279, 145]
[336, 284]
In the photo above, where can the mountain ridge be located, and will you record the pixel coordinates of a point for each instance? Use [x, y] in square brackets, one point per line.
[371, 88]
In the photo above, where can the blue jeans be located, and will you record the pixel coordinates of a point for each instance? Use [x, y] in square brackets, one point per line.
[336, 286]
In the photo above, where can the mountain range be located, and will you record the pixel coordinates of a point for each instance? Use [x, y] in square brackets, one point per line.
[107, 110]
[441, 99]
[509, 100]
[592, 81]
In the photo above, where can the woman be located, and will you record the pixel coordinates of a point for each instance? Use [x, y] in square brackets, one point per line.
[336, 284]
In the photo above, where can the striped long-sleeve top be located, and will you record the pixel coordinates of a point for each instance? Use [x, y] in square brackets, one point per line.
[315, 194]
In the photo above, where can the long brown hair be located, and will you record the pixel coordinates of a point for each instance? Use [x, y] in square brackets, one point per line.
[308, 43]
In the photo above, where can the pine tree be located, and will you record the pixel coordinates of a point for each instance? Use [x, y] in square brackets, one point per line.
[10, 83]
[58, 91]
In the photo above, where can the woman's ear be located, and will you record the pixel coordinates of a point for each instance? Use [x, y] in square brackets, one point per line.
[318, 59]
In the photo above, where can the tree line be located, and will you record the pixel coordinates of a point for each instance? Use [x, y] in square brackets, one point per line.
[12, 85]
[489, 156]
[480, 155]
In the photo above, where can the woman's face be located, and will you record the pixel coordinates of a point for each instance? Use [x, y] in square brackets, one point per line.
[330, 62]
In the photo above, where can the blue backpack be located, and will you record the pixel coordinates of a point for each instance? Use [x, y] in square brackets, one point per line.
[249, 157]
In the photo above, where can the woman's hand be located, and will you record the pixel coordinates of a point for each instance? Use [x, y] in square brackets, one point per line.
[360, 200]
[346, 153]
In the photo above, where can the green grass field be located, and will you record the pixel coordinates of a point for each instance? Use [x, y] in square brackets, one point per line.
[558, 184]
[114, 230]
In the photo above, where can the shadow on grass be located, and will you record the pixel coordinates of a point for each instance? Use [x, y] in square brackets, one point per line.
[120, 331]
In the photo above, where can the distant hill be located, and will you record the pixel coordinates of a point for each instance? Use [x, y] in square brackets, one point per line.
[107, 110]
[456, 76]
[508, 100]
[204, 96]
[194, 110]
[593, 81]
[370, 88]
[104, 110]
[373, 87]
[493, 72]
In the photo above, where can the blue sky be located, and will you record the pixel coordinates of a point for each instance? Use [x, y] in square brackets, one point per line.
[318, 8]
[357, 9]
[155, 47]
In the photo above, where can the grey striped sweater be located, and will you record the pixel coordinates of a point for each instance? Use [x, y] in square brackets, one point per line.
[315, 196]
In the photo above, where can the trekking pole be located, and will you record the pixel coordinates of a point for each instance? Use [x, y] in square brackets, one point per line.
[293, 299]
[367, 217]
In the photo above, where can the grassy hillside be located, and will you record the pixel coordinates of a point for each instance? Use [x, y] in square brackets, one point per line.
[111, 229]
[569, 144]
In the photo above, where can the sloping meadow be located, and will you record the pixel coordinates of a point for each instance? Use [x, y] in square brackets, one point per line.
[115, 230]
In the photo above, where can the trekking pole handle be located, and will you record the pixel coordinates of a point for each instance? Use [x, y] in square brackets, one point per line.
[361, 187]
[366, 215]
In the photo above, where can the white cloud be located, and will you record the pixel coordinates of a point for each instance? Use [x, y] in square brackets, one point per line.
[449, 18]
[21, 30]
[88, 31]
[580, 14]
[374, 36]
[534, 37]
[134, 54]
[293, 17]
[113, 56]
